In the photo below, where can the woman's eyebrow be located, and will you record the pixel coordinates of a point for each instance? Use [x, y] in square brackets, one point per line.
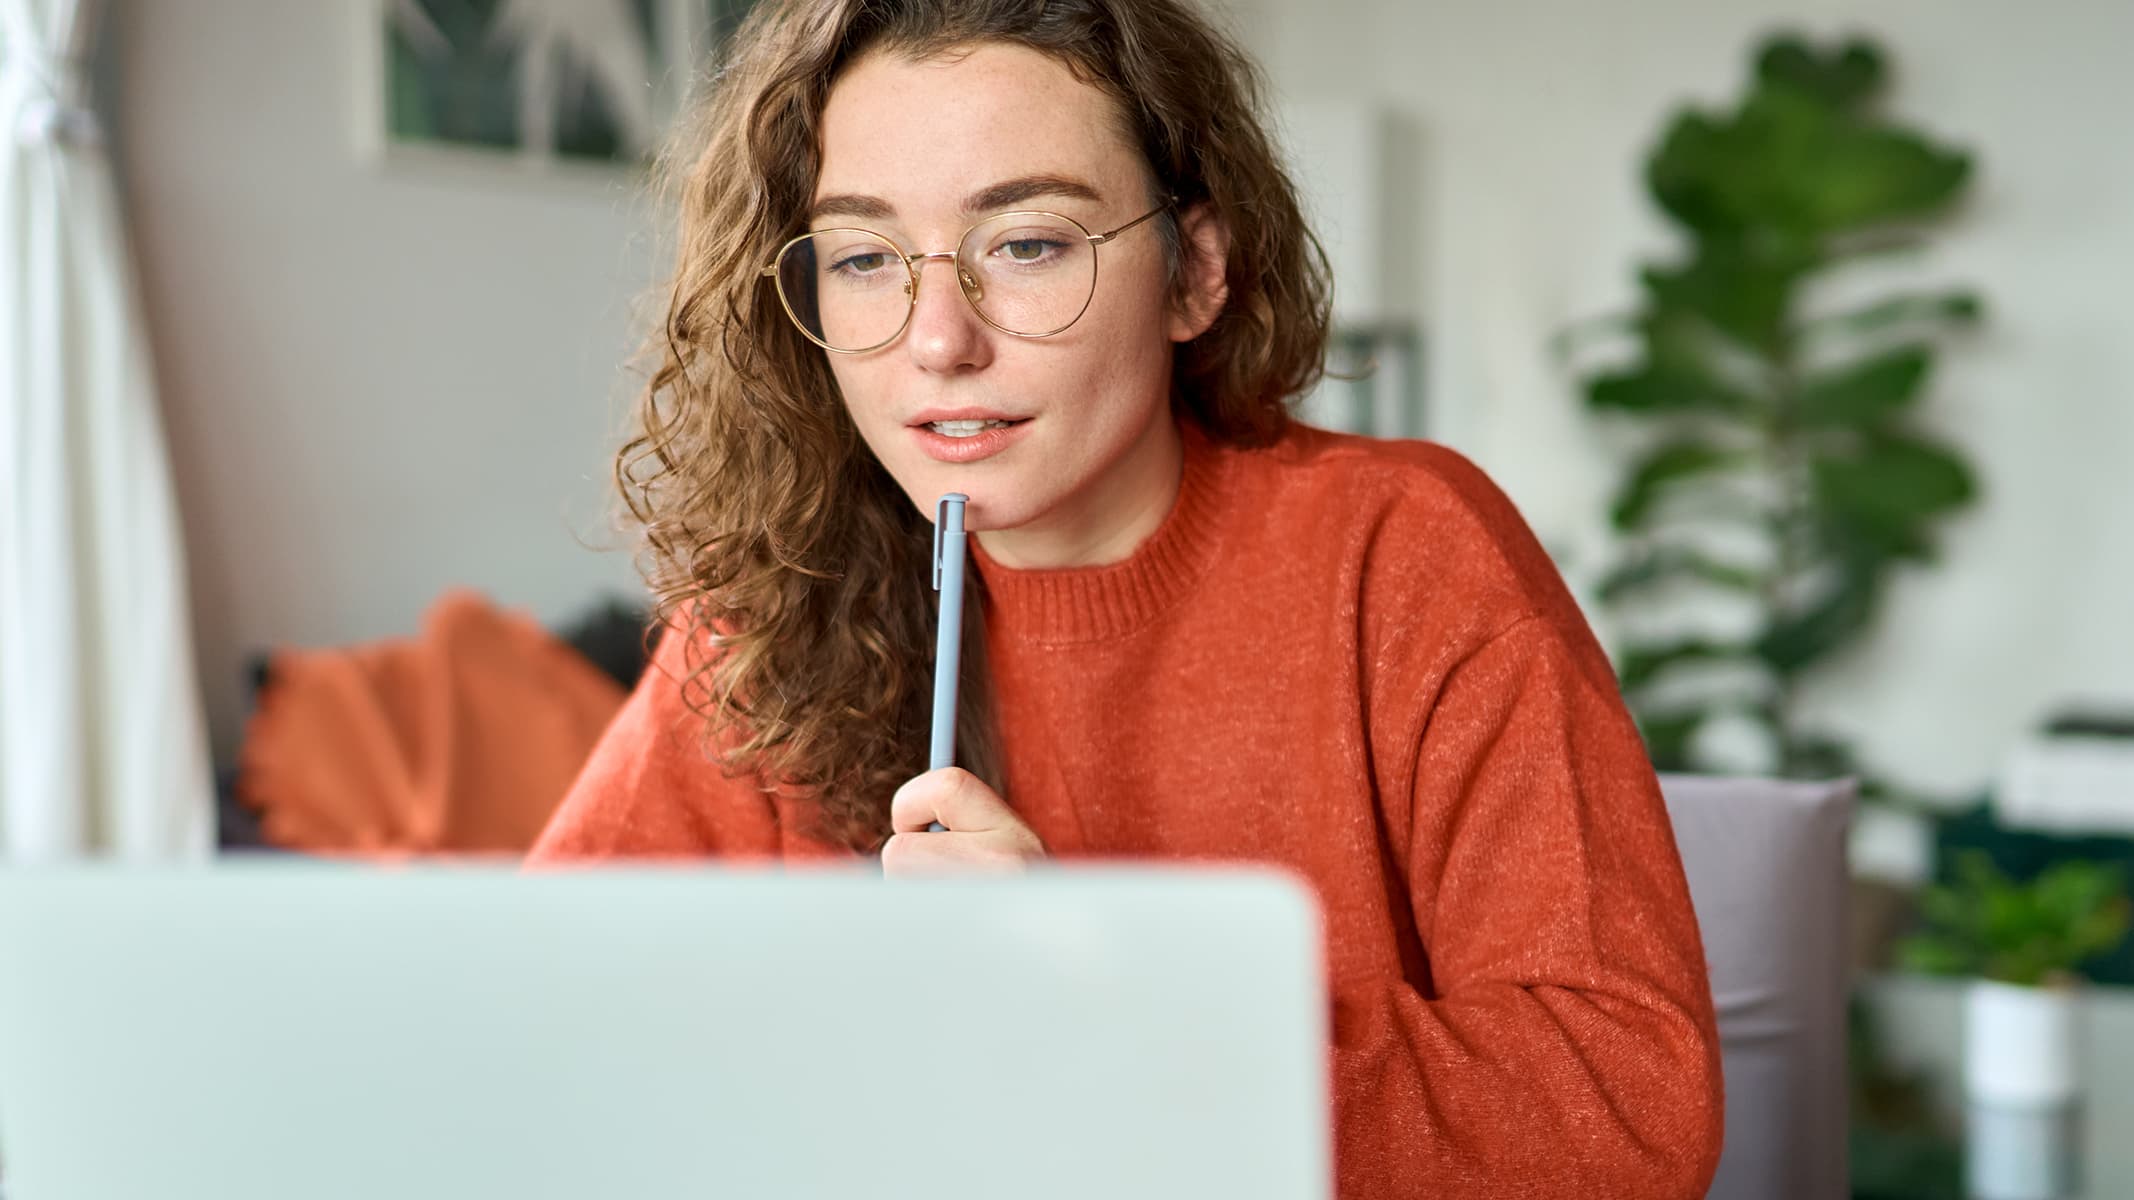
[1012, 192]
[1006, 194]
[865, 208]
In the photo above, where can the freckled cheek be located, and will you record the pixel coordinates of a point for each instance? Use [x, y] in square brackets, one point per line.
[1125, 304]
[861, 387]
[1135, 299]
[1131, 275]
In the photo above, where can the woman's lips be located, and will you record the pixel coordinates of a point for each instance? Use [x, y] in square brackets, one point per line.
[942, 448]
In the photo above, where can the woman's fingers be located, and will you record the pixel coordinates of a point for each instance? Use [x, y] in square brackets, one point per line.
[921, 853]
[981, 832]
[952, 796]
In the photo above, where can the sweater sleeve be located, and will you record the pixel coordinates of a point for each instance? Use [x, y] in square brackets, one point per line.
[1562, 1042]
[652, 787]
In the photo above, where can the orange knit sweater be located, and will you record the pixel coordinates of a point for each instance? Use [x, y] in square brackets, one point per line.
[1351, 658]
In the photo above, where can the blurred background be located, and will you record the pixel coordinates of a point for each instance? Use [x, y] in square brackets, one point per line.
[1797, 331]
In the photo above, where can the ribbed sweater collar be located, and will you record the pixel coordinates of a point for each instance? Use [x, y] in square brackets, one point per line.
[1087, 604]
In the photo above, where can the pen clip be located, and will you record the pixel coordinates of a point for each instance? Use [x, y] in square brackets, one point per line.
[940, 520]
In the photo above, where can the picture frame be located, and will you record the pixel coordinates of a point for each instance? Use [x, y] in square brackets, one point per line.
[583, 88]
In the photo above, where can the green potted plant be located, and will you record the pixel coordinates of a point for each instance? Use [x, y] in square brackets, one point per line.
[1782, 468]
[2020, 945]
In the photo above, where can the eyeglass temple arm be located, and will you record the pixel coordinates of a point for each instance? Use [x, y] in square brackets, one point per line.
[1098, 239]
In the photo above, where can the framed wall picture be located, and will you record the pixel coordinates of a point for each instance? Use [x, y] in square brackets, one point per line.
[539, 84]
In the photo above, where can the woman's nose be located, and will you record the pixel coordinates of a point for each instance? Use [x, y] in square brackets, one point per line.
[946, 334]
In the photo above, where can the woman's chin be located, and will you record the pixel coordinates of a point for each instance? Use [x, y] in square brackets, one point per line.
[992, 505]
[983, 514]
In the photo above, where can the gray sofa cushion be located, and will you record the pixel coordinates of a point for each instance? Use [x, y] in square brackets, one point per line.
[1766, 867]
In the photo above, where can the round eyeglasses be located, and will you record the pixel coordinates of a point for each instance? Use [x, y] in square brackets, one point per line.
[1026, 273]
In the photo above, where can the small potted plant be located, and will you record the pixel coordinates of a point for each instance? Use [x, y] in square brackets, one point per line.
[2020, 944]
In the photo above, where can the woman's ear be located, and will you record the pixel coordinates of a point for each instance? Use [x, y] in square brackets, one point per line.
[1203, 273]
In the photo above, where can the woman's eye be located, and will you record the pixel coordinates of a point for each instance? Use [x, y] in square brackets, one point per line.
[1026, 250]
[860, 264]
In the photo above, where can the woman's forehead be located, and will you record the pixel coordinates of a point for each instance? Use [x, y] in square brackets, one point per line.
[927, 136]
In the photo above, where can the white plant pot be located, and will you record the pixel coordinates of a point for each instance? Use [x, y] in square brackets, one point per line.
[2022, 1090]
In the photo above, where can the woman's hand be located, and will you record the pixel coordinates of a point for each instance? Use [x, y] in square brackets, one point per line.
[982, 834]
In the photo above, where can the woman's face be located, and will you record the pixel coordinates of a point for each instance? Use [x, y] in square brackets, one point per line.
[918, 152]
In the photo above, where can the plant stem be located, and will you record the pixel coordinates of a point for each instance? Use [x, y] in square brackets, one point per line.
[1782, 437]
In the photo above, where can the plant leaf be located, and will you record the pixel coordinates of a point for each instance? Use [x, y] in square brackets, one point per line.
[1664, 565]
[1845, 78]
[1742, 288]
[1960, 308]
[1933, 956]
[1888, 491]
[1866, 392]
[1668, 735]
[1798, 637]
[1662, 469]
[1657, 389]
[1791, 162]
[1815, 756]
[1642, 664]
[2020, 932]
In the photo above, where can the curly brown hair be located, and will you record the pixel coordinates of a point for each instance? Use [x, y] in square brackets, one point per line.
[768, 524]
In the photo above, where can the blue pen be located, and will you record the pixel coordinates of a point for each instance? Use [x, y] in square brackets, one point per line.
[948, 633]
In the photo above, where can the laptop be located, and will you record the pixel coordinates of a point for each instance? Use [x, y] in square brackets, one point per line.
[274, 1031]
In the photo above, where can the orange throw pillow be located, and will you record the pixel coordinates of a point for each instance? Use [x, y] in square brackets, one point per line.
[458, 742]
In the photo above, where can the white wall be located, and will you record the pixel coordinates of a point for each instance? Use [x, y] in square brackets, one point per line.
[378, 381]
[1534, 117]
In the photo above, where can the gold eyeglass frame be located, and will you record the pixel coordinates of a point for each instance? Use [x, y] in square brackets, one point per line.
[964, 282]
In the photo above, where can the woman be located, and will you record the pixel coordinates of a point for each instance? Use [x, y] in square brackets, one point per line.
[1042, 254]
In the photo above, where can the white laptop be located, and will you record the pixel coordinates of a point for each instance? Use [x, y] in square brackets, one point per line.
[274, 1032]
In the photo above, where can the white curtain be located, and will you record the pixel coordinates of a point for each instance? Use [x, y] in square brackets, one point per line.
[102, 747]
